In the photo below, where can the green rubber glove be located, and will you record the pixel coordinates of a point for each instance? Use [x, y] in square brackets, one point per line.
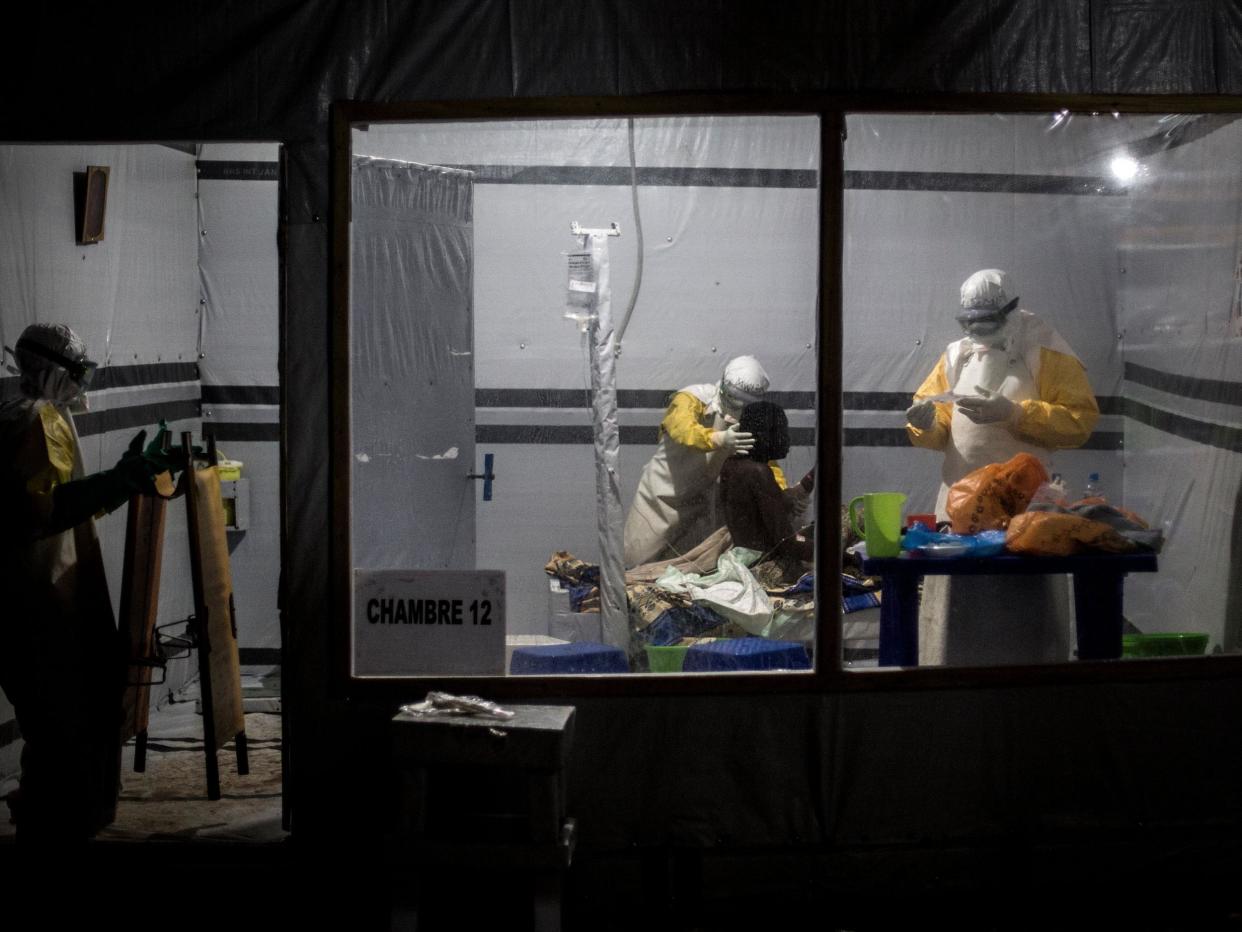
[135, 472]
[74, 502]
[156, 447]
[139, 465]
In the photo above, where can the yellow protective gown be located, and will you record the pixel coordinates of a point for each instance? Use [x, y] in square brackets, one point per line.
[1002, 619]
[675, 506]
[60, 659]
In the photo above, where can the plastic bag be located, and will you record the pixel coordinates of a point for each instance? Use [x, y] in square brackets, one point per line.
[1057, 534]
[920, 540]
[1050, 496]
[986, 499]
[1090, 524]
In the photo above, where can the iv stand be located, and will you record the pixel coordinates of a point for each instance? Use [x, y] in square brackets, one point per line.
[609, 514]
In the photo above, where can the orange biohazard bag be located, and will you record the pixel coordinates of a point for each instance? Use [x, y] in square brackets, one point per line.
[1056, 534]
[986, 499]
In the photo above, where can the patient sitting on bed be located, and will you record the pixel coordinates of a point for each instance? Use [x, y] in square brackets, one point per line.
[759, 511]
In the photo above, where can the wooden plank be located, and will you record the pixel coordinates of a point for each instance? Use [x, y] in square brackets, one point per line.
[218, 626]
[140, 589]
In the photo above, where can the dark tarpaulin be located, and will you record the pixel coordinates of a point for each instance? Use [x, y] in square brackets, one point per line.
[928, 767]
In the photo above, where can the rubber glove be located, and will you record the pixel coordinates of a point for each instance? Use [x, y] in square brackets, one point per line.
[921, 414]
[988, 408]
[138, 467]
[733, 440]
[807, 482]
[135, 472]
[74, 502]
[156, 447]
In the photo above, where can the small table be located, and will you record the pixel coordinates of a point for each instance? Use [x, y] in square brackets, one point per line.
[1098, 592]
[532, 747]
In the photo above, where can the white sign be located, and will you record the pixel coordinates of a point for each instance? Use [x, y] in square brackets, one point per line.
[428, 622]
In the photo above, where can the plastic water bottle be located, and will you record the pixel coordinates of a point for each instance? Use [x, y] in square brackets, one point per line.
[1094, 487]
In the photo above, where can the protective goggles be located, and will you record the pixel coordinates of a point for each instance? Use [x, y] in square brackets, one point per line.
[732, 398]
[985, 319]
[80, 370]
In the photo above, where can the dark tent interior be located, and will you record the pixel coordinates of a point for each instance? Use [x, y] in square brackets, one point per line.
[850, 799]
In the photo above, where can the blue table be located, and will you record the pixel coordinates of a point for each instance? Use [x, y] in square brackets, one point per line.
[574, 657]
[1098, 592]
[746, 654]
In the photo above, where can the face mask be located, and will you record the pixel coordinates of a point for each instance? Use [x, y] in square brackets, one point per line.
[730, 404]
[60, 388]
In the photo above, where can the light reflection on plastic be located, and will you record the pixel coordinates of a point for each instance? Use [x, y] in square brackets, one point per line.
[1123, 167]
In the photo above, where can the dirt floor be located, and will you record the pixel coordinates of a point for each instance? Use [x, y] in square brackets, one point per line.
[168, 801]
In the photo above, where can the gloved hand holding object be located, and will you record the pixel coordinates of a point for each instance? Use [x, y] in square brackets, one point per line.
[733, 440]
[807, 482]
[988, 408]
[921, 414]
[135, 472]
[139, 465]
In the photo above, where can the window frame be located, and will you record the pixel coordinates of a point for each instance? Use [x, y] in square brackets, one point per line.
[828, 674]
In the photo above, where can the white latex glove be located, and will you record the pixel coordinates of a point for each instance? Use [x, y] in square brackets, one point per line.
[988, 408]
[921, 414]
[733, 440]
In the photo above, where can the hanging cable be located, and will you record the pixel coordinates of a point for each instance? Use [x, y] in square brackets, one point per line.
[638, 233]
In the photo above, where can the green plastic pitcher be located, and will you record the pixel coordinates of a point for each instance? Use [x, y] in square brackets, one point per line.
[881, 522]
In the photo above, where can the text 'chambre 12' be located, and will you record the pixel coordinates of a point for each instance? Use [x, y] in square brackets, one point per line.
[393, 611]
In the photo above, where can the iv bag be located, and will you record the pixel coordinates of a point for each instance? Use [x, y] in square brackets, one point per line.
[581, 287]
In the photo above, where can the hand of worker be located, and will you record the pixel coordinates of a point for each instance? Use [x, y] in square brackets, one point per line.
[734, 441]
[807, 482]
[921, 414]
[988, 408]
[138, 467]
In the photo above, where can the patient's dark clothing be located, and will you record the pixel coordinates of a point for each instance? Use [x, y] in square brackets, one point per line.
[758, 512]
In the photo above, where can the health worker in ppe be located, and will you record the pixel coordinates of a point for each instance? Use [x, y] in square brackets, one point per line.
[676, 505]
[61, 663]
[1017, 386]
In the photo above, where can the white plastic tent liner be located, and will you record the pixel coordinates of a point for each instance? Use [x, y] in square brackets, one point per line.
[133, 297]
[1183, 375]
[412, 366]
[730, 267]
[239, 276]
[185, 266]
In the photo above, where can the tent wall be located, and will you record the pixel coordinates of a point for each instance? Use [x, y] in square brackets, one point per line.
[238, 275]
[1180, 307]
[132, 298]
[986, 770]
[178, 304]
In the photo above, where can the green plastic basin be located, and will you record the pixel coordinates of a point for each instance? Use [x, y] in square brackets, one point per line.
[667, 659]
[1173, 644]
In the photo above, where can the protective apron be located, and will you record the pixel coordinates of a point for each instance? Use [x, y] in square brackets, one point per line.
[972, 620]
[675, 506]
[60, 655]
